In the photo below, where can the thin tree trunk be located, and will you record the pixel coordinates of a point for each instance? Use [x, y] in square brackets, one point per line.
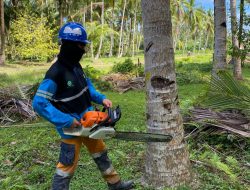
[60, 12]
[139, 39]
[91, 20]
[206, 40]
[200, 41]
[121, 30]
[2, 53]
[241, 21]
[220, 36]
[138, 42]
[194, 43]
[186, 39]
[84, 18]
[133, 39]
[112, 33]
[235, 56]
[130, 37]
[242, 8]
[101, 38]
[166, 164]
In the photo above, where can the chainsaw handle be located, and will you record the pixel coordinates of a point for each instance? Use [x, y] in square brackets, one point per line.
[104, 109]
[109, 110]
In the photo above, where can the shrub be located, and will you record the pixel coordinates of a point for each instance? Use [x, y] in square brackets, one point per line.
[186, 77]
[103, 85]
[94, 75]
[126, 67]
[91, 72]
[139, 71]
[31, 38]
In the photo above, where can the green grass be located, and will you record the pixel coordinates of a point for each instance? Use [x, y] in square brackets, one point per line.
[28, 154]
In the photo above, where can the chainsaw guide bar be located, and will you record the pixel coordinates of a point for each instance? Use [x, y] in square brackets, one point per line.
[101, 125]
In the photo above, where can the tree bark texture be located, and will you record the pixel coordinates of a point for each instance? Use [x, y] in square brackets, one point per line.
[220, 36]
[166, 164]
[242, 5]
[235, 57]
[2, 53]
[60, 2]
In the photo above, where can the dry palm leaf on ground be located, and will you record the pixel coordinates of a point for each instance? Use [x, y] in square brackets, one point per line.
[228, 101]
[210, 121]
[15, 104]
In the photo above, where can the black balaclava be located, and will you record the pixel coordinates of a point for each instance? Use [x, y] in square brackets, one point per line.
[70, 53]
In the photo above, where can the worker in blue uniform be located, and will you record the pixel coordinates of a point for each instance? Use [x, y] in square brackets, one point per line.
[62, 98]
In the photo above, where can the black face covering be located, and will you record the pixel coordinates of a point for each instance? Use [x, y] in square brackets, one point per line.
[70, 52]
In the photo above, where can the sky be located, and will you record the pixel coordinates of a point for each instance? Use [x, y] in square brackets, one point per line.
[209, 4]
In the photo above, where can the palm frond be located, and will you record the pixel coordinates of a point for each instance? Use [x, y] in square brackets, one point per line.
[21, 92]
[227, 93]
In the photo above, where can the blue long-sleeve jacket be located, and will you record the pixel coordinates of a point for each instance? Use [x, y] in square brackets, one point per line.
[59, 110]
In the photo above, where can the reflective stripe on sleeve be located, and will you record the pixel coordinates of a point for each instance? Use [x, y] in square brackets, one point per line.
[45, 92]
[44, 96]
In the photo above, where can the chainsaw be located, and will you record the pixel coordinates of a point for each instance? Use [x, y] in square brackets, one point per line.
[101, 125]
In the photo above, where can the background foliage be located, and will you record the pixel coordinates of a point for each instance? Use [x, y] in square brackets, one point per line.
[30, 38]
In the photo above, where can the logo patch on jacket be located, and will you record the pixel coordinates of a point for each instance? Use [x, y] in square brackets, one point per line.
[70, 84]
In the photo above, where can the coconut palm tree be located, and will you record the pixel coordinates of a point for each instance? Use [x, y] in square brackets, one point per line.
[209, 25]
[166, 164]
[235, 55]
[120, 47]
[101, 37]
[220, 36]
[2, 54]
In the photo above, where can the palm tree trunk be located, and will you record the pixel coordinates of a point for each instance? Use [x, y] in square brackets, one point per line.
[241, 21]
[60, 2]
[121, 30]
[200, 41]
[220, 36]
[130, 37]
[2, 53]
[194, 43]
[91, 20]
[101, 38]
[165, 164]
[112, 33]
[134, 32]
[185, 45]
[139, 39]
[235, 57]
[206, 41]
[84, 18]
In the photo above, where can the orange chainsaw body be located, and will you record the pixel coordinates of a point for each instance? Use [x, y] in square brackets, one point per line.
[93, 117]
[96, 124]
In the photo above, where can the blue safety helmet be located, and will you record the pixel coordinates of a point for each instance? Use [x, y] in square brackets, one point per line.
[73, 31]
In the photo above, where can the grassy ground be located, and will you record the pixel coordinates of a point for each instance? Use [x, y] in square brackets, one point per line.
[28, 154]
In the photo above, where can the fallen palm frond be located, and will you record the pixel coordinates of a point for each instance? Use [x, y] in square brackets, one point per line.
[210, 121]
[15, 104]
[229, 107]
